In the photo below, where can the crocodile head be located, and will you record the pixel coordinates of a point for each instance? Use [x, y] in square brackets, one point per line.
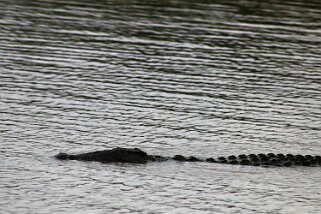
[123, 155]
[127, 155]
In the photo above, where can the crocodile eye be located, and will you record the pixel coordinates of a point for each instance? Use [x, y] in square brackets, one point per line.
[122, 152]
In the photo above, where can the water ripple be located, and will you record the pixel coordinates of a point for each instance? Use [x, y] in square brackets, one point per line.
[201, 78]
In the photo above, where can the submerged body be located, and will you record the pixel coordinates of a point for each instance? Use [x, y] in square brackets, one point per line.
[128, 155]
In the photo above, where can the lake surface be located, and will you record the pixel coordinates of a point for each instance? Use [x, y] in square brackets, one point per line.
[202, 78]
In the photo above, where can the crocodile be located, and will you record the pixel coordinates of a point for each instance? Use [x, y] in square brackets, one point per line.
[135, 155]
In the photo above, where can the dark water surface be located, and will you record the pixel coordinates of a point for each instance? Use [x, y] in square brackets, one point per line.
[201, 78]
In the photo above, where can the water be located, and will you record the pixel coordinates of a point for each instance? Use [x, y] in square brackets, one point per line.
[202, 78]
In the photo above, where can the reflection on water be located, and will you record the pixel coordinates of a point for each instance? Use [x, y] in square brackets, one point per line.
[171, 77]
